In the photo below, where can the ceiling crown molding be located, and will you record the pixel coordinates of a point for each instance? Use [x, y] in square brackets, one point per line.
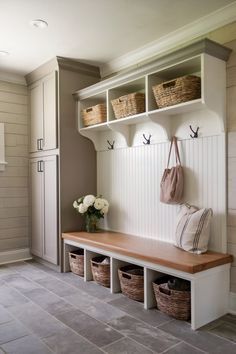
[12, 78]
[166, 43]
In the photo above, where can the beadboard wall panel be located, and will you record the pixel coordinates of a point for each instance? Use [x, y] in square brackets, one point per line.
[130, 179]
[14, 213]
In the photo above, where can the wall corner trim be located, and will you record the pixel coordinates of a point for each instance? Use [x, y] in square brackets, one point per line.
[16, 255]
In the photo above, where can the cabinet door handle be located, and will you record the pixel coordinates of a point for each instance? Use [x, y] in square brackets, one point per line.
[41, 165]
[38, 166]
[38, 144]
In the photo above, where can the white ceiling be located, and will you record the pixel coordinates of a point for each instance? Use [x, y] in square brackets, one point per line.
[93, 31]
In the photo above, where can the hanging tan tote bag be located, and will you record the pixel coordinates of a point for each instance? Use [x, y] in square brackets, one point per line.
[172, 181]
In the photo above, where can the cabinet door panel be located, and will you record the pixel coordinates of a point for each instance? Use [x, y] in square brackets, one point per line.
[50, 112]
[37, 206]
[36, 112]
[50, 244]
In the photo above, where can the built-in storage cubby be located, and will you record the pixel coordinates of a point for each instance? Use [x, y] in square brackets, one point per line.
[191, 66]
[204, 278]
[116, 264]
[132, 277]
[89, 102]
[204, 59]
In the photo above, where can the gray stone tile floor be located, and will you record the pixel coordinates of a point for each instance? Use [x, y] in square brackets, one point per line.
[42, 311]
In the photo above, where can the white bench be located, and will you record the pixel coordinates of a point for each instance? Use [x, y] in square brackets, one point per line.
[208, 273]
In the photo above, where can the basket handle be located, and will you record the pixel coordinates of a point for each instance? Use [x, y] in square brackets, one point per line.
[72, 256]
[125, 275]
[165, 291]
[88, 110]
[169, 84]
[95, 265]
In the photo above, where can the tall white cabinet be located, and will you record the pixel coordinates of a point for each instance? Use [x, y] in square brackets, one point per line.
[58, 154]
[44, 195]
[43, 110]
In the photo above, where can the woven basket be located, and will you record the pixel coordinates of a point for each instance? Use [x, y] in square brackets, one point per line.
[76, 260]
[174, 303]
[129, 105]
[176, 91]
[101, 272]
[132, 282]
[94, 115]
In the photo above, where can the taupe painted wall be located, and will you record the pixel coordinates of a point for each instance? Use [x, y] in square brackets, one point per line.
[14, 211]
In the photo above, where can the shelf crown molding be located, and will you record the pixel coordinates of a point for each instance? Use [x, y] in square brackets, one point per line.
[77, 66]
[203, 46]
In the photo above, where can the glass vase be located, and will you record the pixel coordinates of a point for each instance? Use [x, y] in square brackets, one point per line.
[91, 223]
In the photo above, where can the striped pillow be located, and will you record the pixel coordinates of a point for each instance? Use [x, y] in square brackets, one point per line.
[193, 229]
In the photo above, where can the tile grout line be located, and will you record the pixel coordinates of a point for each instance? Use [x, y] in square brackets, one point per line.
[108, 302]
[224, 338]
[104, 323]
[203, 351]
[173, 346]
[64, 298]
[3, 350]
[42, 339]
[22, 324]
[183, 341]
[127, 337]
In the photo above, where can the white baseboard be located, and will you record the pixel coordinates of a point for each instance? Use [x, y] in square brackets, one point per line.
[15, 255]
[232, 303]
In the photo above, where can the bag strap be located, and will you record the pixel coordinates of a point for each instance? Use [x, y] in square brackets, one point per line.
[177, 157]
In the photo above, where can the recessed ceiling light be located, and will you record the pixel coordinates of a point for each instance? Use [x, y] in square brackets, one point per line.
[39, 23]
[3, 53]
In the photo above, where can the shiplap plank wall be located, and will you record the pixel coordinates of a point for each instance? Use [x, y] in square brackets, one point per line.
[14, 211]
[130, 179]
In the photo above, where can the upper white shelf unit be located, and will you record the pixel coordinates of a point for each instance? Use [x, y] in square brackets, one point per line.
[204, 58]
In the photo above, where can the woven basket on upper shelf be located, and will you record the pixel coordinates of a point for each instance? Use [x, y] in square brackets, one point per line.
[128, 105]
[76, 260]
[176, 91]
[100, 271]
[132, 282]
[174, 303]
[94, 115]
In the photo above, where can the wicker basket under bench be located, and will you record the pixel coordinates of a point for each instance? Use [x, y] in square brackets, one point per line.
[207, 273]
[76, 259]
[132, 282]
[101, 271]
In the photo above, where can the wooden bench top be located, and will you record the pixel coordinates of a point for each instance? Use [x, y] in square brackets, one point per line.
[149, 250]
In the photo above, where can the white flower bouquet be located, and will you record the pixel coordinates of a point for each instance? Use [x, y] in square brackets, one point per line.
[93, 208]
